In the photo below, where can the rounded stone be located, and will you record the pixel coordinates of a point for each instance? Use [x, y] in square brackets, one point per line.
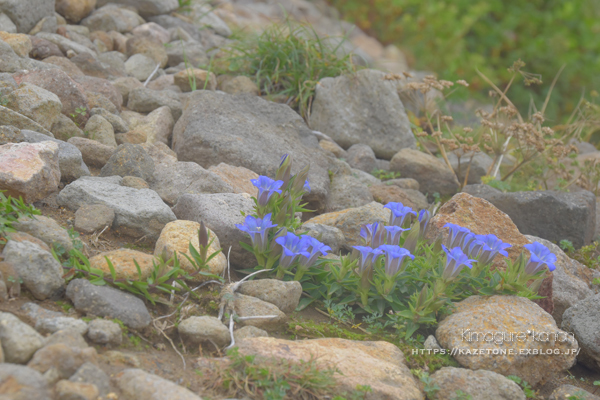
[90, 218]
[197, 330]
[123, 261]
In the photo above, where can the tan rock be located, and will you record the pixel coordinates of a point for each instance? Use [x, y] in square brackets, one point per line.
[65, 359]
[94, 153]
[10, 277]
[380, 365]
[135, 136]
[350, 221]
[237, 177]
[240, 84]
[183, 78]
[65, 64]
[176, 236]
[13, 118]
[384, 194]
[29, 170]
[334, 148]
[515, 329]
[36, 103]
[20, 43]
[148, 47]
[155, 127]
[76, 390]
[75, 10]
[123, 262]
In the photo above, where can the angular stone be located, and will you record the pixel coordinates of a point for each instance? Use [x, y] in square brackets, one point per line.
[72, 390]
[64, 44]
[138, 213]
[103, 87]
[177, 236]
[91, 66]
[361, 156]
[90, 373]
[105, 332]
[21, 44]
[36, 103]
[145, 100]
[139, 66]
[248, 306]
[384, 193]
[196, 330]
[140, 385]
[23, 383]
[9, 117]
[100, 130]
[347, 192]
[328, 235]
[19, 340]
[26, 14]
[284, 295]
[481, 385]
[64, 64]
[199, 78]
[30, 170]
[94, 153]
[237, 177]
[64, 359]
[547, 214]
[105, 301]
[129, 160]
[158, 126]
[151, 48]
[90, 218]
[383, 366]
[532, 329]
[112, 18]
[45, 229]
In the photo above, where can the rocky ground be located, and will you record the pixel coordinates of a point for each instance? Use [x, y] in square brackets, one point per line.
[102, 132]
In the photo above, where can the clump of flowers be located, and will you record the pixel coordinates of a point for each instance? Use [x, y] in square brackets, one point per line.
[395, 273]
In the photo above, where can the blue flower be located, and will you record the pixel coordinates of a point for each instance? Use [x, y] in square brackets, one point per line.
[292, 246]
[540, 256]
[266, 187]
[373, 234]
[258, 229]
[394, 256]
[456, 260]
[424, 217]
[394, 233]
[314, 249]
[459, 236]
[399, 213]
[367, 255]
[306, 186]
[487, 247]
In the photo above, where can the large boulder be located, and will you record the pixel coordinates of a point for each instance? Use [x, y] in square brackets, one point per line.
[362, 108]
[383, 366]
[432, 173]
[547, 214]
[509, 335]
[138, 212]
[243, 130]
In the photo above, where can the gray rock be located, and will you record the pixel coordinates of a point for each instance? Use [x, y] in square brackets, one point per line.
[118, 124]
[145, 100]
[6, 25]
[90, 373]
[11, 118]
[347, 192]
[220, 213]
[480, 385]
[479, 166]
[404, 183]
[364, 177]
[51, 325]
[65, 44]
[566, 392]
[583, 320]
[94, 153]
[134, 182]
[68, 337]
[19, 340]
[248, 306]
[179, 51]
[105, 332]
[25, 15]
[432, 173]
[70, 160]
[547, 214]
[248, 332]
[138, 213]
[383, 165]
[146, 8]
[243, 130]
[140, 66]
[362, 108]
[10, 134]
[114, 60]
[64, 128]
[38, 269]
[90, 218]
[36, 312]
[100, 90]
[136, 384]
[126, 85]
[100, 130]
[46, 229]
[431, 343]
[384, 194]
[361, 156]
[105, 301]
[196, 330]
[29, 383]
[329, 235]
[172, 179]
[34, 102]
[571, 280]
[203, 15]
[111, 17]
[284, 295]
[11, 62]
[60, 360]
[129, 160]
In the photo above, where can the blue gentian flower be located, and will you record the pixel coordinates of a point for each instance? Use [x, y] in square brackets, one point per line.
[394, 256]
[373, 234]
[367, 255]
[315, 249]
[292, 246]
[456, 260]
[457, 235]
[424, 217]
[266, 187]
[399, 213]
[487, 247]
[306, 186]
[540, 256]
[258, 229]
[394, 233]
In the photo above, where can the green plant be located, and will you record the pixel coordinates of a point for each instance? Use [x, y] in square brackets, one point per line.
[288, 60]
[429, 388]
[460, 395]
[78, 114]
[587, 255]
[274, 379]
[578, 395]
[385, 175]
[529, 392]
[11, 210]
[3, 101]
